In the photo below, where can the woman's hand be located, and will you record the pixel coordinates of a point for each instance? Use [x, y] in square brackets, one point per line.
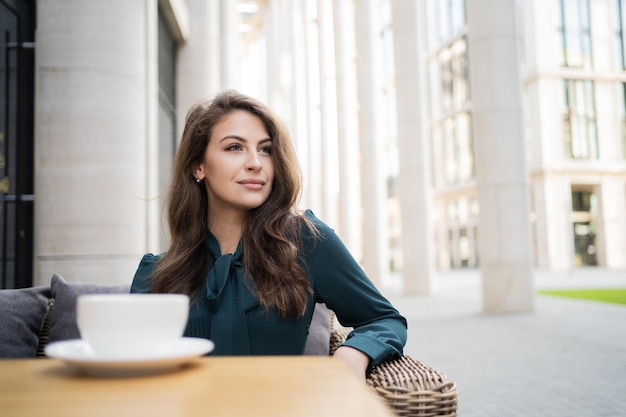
[356, 360]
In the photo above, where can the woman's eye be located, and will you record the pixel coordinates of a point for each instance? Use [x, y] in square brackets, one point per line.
[234, 147]
[266, 149]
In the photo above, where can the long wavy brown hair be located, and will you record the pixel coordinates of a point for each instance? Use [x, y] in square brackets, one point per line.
[272, 236]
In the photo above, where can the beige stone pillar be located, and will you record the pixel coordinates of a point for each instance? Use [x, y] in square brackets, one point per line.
[414, 177]
[307, 86]
[198, 74]
[349, 201]
[280, 79]
[502, 186]
[95, 129]
[230, 42]
[443, 249]
[328, 111]
[293, 88]
[552, 195]
[155, 238]
[613, 221]
[300, 97]
[373, 186]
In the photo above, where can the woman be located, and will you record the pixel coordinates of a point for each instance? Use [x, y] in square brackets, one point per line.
[252, 264]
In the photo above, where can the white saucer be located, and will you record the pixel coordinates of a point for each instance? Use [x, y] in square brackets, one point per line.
[78, 354]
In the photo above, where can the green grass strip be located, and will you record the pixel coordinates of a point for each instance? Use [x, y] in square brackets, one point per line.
[609, 295]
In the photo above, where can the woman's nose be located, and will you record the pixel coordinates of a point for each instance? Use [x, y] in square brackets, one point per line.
[253, 163]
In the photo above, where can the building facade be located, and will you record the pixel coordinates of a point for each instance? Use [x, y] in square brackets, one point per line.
[417, 159]
[572, 70]
[574, 91]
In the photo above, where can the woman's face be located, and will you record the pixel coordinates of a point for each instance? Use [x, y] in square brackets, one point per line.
[237, 169]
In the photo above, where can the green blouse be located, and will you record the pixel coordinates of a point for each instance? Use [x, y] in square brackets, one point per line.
[226, 312]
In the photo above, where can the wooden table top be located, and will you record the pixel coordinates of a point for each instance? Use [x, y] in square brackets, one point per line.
[216, 386]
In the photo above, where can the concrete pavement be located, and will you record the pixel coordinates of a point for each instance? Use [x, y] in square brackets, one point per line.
[565, 359]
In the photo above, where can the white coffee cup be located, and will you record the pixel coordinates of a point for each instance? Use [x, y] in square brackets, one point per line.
[131, 326]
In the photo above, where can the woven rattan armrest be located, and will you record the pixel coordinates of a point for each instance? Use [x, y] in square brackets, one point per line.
[45, 329]
[409, 387]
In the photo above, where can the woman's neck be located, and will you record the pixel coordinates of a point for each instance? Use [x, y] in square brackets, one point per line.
[227, 229]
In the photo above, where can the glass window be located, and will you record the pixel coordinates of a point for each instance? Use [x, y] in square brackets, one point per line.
[454, 69]
[579, 120]
[460, 73]
[445, 65]
[458, 158]
[450, 92]
[450, 18]
[434, 93]
[465, 159]
[450, 152]
[575, 33]
[622, 106]
[166, 110]
[620, 27]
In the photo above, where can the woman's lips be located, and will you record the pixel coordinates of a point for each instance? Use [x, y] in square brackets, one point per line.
[252, 183]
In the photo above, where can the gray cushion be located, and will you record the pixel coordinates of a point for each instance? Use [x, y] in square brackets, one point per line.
[317, 343]
[63, 315]
[22, 313]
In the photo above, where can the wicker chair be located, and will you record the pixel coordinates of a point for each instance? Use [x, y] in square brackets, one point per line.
[409, 387]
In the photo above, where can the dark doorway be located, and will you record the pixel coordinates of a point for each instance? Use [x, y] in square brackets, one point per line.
[584, 211]
[17, 32]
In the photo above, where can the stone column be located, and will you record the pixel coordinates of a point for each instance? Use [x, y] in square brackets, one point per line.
[328, 137]
[613, 221]
[502, 185]
[414, 178]
[373, 186]
[280, 79]
[230, 57]
[96, 124]
[311, 158]
[300, 99]
[153, 201]
[553, 197]
[349, 204]
[198, 74]
[443, 249]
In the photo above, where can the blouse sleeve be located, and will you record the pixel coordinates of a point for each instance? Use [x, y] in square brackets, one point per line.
[380, 331]
[142, 282]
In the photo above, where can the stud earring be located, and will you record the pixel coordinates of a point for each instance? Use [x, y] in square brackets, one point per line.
[198, 180]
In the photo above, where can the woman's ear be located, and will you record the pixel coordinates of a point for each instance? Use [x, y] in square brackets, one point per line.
[198, 172]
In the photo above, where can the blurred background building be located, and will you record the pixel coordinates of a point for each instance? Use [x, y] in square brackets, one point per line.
[432, 134]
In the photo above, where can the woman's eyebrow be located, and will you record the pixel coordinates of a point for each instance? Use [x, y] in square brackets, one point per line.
[232, 137]
[241, 139]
